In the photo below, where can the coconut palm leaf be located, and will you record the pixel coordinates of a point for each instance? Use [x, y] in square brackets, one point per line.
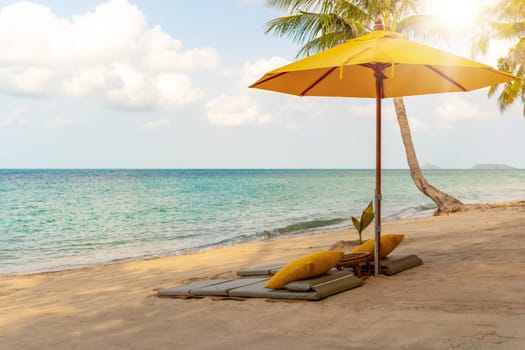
[513, 63]
[507, 23]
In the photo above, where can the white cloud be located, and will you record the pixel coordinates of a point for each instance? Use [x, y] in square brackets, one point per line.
[140, 91]
[228, 110]
[416, 124]
[109, 52]
[242, 107]
[175, 90]
[157, 124]
[134, 89]
[367, 110]
[253, 71]
[456, 108]
[28, 80]
[89, 81]
[163, 53]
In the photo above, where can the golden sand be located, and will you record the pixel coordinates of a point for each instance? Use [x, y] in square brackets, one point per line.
[469, 294]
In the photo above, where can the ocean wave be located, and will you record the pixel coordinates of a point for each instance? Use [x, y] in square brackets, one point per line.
[67, 218]
[292, 229]
[413, 212]
[301, 227]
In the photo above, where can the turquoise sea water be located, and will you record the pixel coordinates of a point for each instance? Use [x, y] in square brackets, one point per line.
[61, 219]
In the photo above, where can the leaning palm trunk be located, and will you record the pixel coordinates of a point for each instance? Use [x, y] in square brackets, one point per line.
[446, 203]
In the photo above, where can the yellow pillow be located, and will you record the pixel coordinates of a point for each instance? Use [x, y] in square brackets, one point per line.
[367, 247]
[311, 265]
[389, 242]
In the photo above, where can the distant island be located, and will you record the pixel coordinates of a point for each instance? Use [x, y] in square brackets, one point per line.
[493, 167]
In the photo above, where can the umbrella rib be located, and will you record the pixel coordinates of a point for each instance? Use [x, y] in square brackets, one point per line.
[444, 76]
[304, 92]
[267, 79]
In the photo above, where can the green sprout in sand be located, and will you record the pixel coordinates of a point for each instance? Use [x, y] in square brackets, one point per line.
[367, 216]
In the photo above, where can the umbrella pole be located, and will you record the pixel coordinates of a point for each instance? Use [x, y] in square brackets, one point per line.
[379, 75]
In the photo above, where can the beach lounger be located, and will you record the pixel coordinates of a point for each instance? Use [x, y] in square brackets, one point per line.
[334, 281]
[396, 263]
[185, 291]
[315, 291]
[223, 289]
[251, 285]
[309, 289]
[215, 287]
[309, 284]
[267, 270]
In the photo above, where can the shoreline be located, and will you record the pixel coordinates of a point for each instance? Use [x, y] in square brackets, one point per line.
[467, 294]
[183, 212]
[313, 231]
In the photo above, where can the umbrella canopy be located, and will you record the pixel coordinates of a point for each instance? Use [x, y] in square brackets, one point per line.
[409, 68]
[378, 65]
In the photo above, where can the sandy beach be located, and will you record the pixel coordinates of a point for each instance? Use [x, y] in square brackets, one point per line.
[468, 294]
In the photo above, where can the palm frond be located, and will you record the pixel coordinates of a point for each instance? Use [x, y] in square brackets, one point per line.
[401, 9]
[328, 40]
[492, 90]
[317, 31]
[408, 7]
[507, 30]
[510, 92]
[509, 9]
[513, 63]
[351, 13]
[299, 28]
[481, 45]
[426, 28]
[294, 6]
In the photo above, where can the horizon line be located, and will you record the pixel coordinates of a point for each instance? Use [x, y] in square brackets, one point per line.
[243, 168]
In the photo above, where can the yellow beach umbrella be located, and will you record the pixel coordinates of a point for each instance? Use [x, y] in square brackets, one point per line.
[379, 65]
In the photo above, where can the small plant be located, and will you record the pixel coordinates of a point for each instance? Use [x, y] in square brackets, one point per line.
[367, 216]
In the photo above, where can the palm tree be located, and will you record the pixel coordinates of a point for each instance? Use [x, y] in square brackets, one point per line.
[508, 23]
[322, 24]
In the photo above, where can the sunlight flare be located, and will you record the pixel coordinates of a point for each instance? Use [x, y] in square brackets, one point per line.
[454, 13]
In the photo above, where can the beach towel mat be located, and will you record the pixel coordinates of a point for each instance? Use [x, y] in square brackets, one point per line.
[310, 289]
[310, 283]
[223, 289]
[185, 291]
[214, 287]
[397, 263]
[335, 284]
[267, 270]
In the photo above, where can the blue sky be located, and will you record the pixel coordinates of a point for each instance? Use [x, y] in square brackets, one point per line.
[163, 84]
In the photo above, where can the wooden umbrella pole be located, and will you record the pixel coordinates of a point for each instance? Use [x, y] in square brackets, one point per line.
[379, 75]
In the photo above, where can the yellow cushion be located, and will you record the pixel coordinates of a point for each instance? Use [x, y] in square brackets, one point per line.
[389, 242]
[367, 247]
[311, 265]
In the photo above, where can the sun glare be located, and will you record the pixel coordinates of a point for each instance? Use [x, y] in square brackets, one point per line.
[454, 13]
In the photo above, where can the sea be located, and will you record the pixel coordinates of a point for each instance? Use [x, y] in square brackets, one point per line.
[64, 219]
